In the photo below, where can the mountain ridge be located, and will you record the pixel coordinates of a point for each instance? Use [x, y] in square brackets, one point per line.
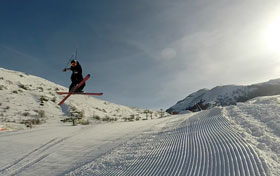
[224, 96]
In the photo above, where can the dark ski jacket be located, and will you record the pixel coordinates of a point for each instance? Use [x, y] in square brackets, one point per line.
[77, 73]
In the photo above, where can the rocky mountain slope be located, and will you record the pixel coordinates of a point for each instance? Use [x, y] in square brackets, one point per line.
[225, 95]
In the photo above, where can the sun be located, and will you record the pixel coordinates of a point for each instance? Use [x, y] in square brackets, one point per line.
[272, 35]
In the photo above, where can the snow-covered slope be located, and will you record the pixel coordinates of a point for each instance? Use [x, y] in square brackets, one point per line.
[242, 139]
[27, 99]
[258, 122]
[225, 95]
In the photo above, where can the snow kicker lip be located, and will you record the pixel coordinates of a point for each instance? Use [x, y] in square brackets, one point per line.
[206, 144]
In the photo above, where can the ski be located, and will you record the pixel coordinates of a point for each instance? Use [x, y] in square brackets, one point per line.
[80, 93]
[74, 89]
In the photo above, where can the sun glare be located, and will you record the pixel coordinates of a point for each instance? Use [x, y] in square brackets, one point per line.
[272, 35]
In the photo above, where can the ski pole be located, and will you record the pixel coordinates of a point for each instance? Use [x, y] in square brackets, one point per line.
[69, 61]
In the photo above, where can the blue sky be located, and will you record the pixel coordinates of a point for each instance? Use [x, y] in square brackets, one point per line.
[143, 53]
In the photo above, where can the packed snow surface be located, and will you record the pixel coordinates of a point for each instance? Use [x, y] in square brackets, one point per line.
[212, 142]
[204, 144]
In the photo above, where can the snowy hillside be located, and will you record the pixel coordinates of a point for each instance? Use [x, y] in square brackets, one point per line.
[27, 100]
[225, 95]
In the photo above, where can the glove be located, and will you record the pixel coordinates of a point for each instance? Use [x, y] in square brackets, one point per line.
[64, 70]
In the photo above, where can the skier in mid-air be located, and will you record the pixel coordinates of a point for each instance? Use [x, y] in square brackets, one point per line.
[77, 75]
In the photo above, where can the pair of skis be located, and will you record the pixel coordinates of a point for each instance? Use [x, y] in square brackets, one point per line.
[68, 94]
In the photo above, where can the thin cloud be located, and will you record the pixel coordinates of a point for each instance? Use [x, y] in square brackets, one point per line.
[20, 53]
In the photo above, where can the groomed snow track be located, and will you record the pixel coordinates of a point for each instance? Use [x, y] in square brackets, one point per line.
[204, 145]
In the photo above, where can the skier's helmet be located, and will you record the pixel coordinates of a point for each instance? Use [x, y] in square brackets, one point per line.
[73, 63]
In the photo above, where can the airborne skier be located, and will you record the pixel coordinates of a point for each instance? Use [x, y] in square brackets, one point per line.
[77, 75]
[78, 82]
